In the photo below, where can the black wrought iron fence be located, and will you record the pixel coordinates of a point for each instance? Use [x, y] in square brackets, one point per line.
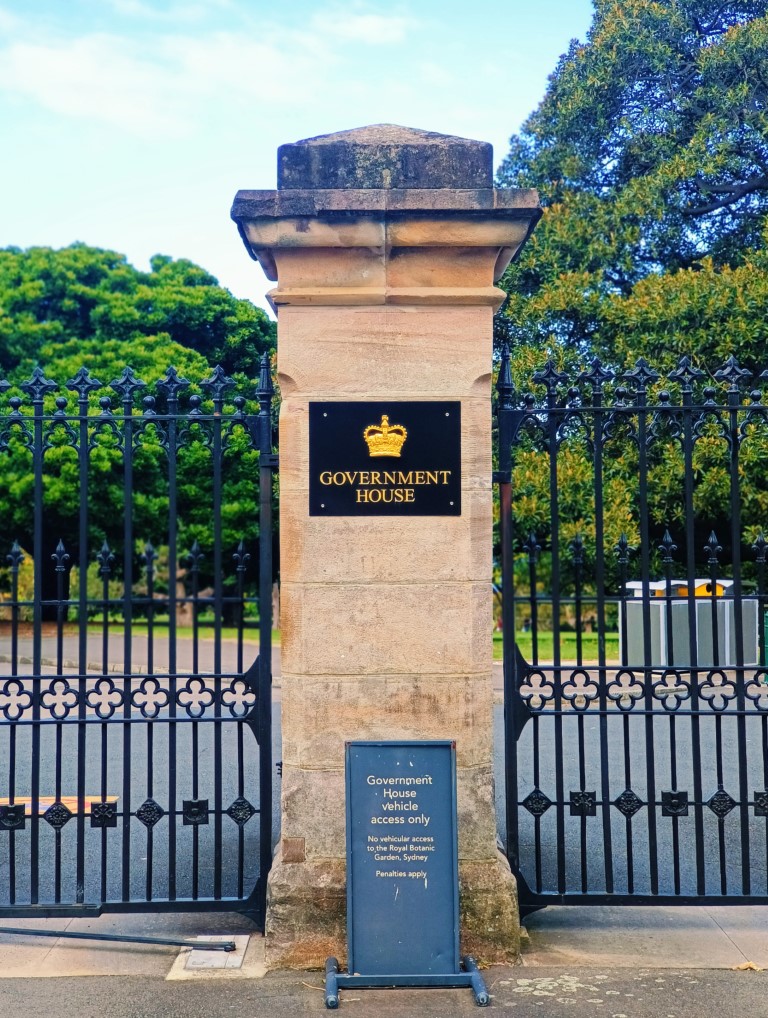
[135, 644]
[634, 602]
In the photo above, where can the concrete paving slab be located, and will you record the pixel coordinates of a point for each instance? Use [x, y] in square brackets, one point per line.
[198, 958]
[656, 937]
[45, 957]
[747, 928]
[249, 963]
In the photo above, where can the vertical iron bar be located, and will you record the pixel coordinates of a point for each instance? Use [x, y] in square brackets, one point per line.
[82, 641]
[105, 560]
[37, 391]
[173, 412]
[598, 446]
[734, 400]
[505, 390]
[693, 644]
[15, 558]
[645, 539]
[218, 610]
[127, 637]
[265, 395]
[557, 677]
[59, 557]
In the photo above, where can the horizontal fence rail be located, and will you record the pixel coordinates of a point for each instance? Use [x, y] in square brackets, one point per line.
[633, 587]
[135, 645]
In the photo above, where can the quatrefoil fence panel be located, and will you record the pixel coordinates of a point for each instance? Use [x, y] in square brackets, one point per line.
[135, 653]
[633, 589]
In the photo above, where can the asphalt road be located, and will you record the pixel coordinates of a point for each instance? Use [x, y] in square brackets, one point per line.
[554, 993]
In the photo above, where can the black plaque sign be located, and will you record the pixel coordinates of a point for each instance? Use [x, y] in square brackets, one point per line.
[402, 858]
[385, 458]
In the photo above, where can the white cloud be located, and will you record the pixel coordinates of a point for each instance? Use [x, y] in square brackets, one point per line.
[175, 12]
[96, 77]
[373, 29]
[8, 21]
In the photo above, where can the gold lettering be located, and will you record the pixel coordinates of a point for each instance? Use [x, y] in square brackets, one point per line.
[375, 477]
[374, 492]
[404, 478]
[419, 478]
[399, 494]
[364, 477]
[389, 477]
[410, 495]
[351, 475]
[431, 477]
[325, 477]
[446, 474]
[362, 495]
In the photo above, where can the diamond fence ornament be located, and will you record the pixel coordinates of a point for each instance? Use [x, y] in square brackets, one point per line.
[241, 811]
[536, 802]
[57, 815]
[628, 803]
[149, 813]
[721, 803]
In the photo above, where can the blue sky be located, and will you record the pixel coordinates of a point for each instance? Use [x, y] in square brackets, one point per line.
[130, 124]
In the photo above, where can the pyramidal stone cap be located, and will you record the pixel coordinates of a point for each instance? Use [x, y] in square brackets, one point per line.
[382, 157]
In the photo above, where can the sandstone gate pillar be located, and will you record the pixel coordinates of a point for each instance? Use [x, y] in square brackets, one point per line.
[385, 243]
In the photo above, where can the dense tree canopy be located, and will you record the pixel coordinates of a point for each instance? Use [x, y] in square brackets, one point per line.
[82, 307]
[650, 151]
[85, 294]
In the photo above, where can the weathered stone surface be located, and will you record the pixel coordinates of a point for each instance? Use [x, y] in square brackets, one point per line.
[508, 202]
[395, 353]
[490, 923]
[415, 548]
[476, 809]
[306, 913]
[322, 714]
[313, 809]
[385, 156]
[439, 628]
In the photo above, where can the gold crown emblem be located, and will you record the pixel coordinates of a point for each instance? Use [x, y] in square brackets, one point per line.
[385, 439]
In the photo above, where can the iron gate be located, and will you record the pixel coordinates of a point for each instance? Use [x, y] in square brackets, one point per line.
[637, 753]
[135, 663]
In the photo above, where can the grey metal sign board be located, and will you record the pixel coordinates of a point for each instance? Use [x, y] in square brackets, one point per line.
[402, 858]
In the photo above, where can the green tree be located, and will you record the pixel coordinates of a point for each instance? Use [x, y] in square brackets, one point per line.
[650, 150]
[152, 449]
[86, 294]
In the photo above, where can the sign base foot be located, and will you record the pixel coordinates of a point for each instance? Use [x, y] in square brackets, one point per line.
[469, 978]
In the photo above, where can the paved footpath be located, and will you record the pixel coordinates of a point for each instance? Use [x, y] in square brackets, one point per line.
[588, 963]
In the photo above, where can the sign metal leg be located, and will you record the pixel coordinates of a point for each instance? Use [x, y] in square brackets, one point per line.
[331, 984]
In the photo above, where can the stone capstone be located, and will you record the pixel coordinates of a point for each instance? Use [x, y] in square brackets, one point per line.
[385, 156]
